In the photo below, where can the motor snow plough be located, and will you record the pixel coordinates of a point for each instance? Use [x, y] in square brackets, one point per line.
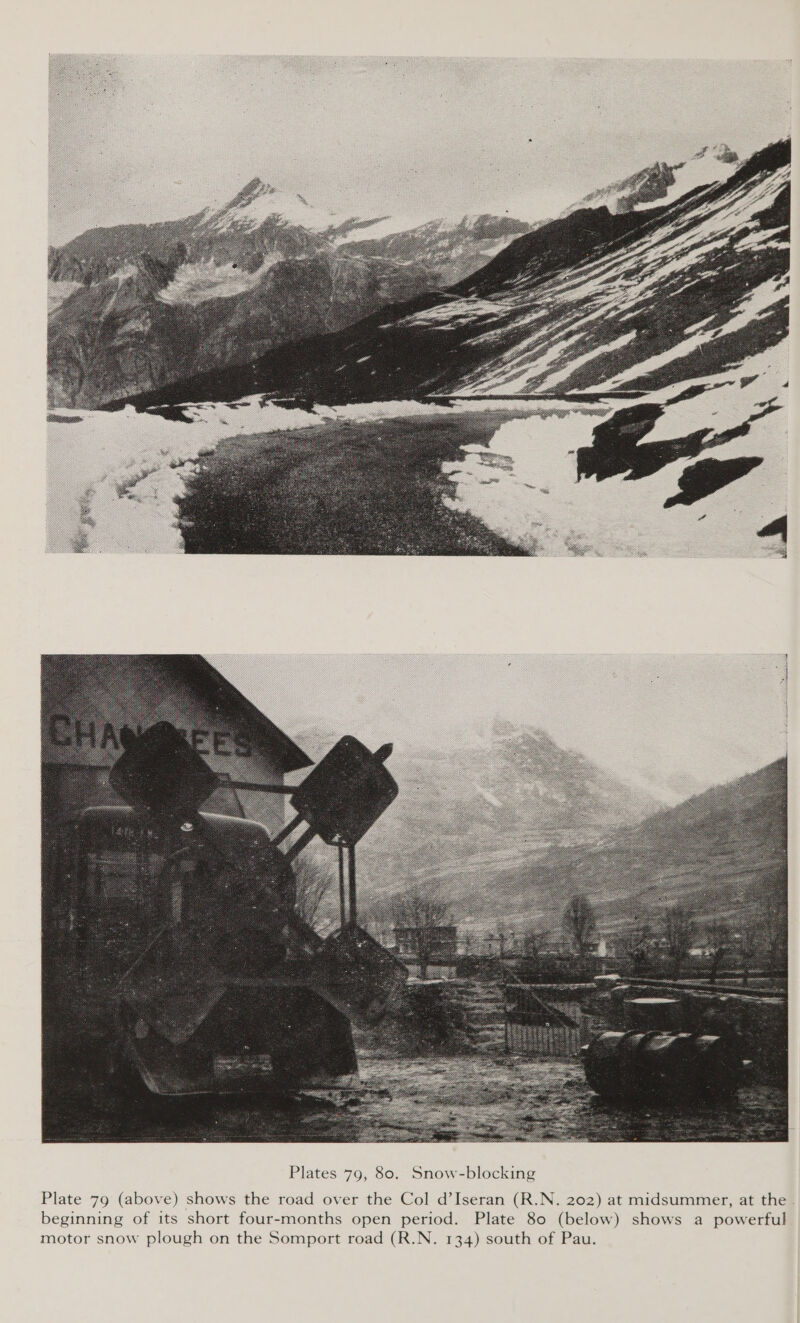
[181, 927]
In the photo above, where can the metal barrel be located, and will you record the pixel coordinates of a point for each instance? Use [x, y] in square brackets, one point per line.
[653, 1065]
[605, 1060]
[653, 1013]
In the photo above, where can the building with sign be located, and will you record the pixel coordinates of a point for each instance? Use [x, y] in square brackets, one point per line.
[87, 699]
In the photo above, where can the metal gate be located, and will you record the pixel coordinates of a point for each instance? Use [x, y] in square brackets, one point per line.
[539, 1028]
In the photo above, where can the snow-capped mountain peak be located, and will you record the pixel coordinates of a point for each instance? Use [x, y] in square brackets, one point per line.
[720, 151]
[259, 202]
[659, 184]
[254, 189]
[711, 165]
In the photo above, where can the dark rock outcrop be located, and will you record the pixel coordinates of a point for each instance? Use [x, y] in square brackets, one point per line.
[708, 475]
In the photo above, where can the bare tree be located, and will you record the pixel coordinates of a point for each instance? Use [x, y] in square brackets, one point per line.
[678, 924]
[637, 944]
[718, 941]
[534, 941]
[579, 924]
[751, 932]
[775, 929]
[506, 939]
[312, 883]
[421, 912]
[378, 921]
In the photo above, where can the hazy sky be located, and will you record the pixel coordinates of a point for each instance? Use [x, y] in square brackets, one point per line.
[713, 717]
[140, 138]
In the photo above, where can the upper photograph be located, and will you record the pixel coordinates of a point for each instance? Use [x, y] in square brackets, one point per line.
[407, 306]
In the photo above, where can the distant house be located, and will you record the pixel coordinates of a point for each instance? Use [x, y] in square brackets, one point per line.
[441, 943]
[429, 952]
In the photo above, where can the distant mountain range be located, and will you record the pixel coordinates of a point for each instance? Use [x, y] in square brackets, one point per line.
[682, 305]
[134, 307]
[508, 825]
[631, 301]
[475, 804]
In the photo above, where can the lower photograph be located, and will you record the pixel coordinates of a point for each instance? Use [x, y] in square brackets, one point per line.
[406, 897]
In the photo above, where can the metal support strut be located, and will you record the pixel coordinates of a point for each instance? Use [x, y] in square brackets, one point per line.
[351, 869]
[342, 913]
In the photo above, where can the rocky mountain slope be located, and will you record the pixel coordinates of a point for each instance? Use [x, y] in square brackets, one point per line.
[593, 301]
[452, 247]
[660, 183]
[133, 307]
[477, 804]
[720, 853]
[682, 307]
[511, 826]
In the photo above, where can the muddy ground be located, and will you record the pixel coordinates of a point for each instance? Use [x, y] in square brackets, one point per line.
[455, 1098]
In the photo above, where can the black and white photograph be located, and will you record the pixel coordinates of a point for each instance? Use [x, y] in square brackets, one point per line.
[396, 898]
[418, 306]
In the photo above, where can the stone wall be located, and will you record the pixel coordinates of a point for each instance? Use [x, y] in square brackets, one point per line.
[445, 1017]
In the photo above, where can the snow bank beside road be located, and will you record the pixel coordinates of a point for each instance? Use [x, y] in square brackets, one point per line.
[706, 478]
[524, 485]
[115, 479]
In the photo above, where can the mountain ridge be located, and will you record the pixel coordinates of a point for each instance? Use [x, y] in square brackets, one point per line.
[720, 853]
[135, 307]
[540, 314]
[227, 285]
[477, 799]
[507, 824]
[659, 183]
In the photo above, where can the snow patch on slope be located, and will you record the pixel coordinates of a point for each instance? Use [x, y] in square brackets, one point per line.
[383, 227]
[757, 301]
[582, 313]
[524, 484]
[197, 282]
